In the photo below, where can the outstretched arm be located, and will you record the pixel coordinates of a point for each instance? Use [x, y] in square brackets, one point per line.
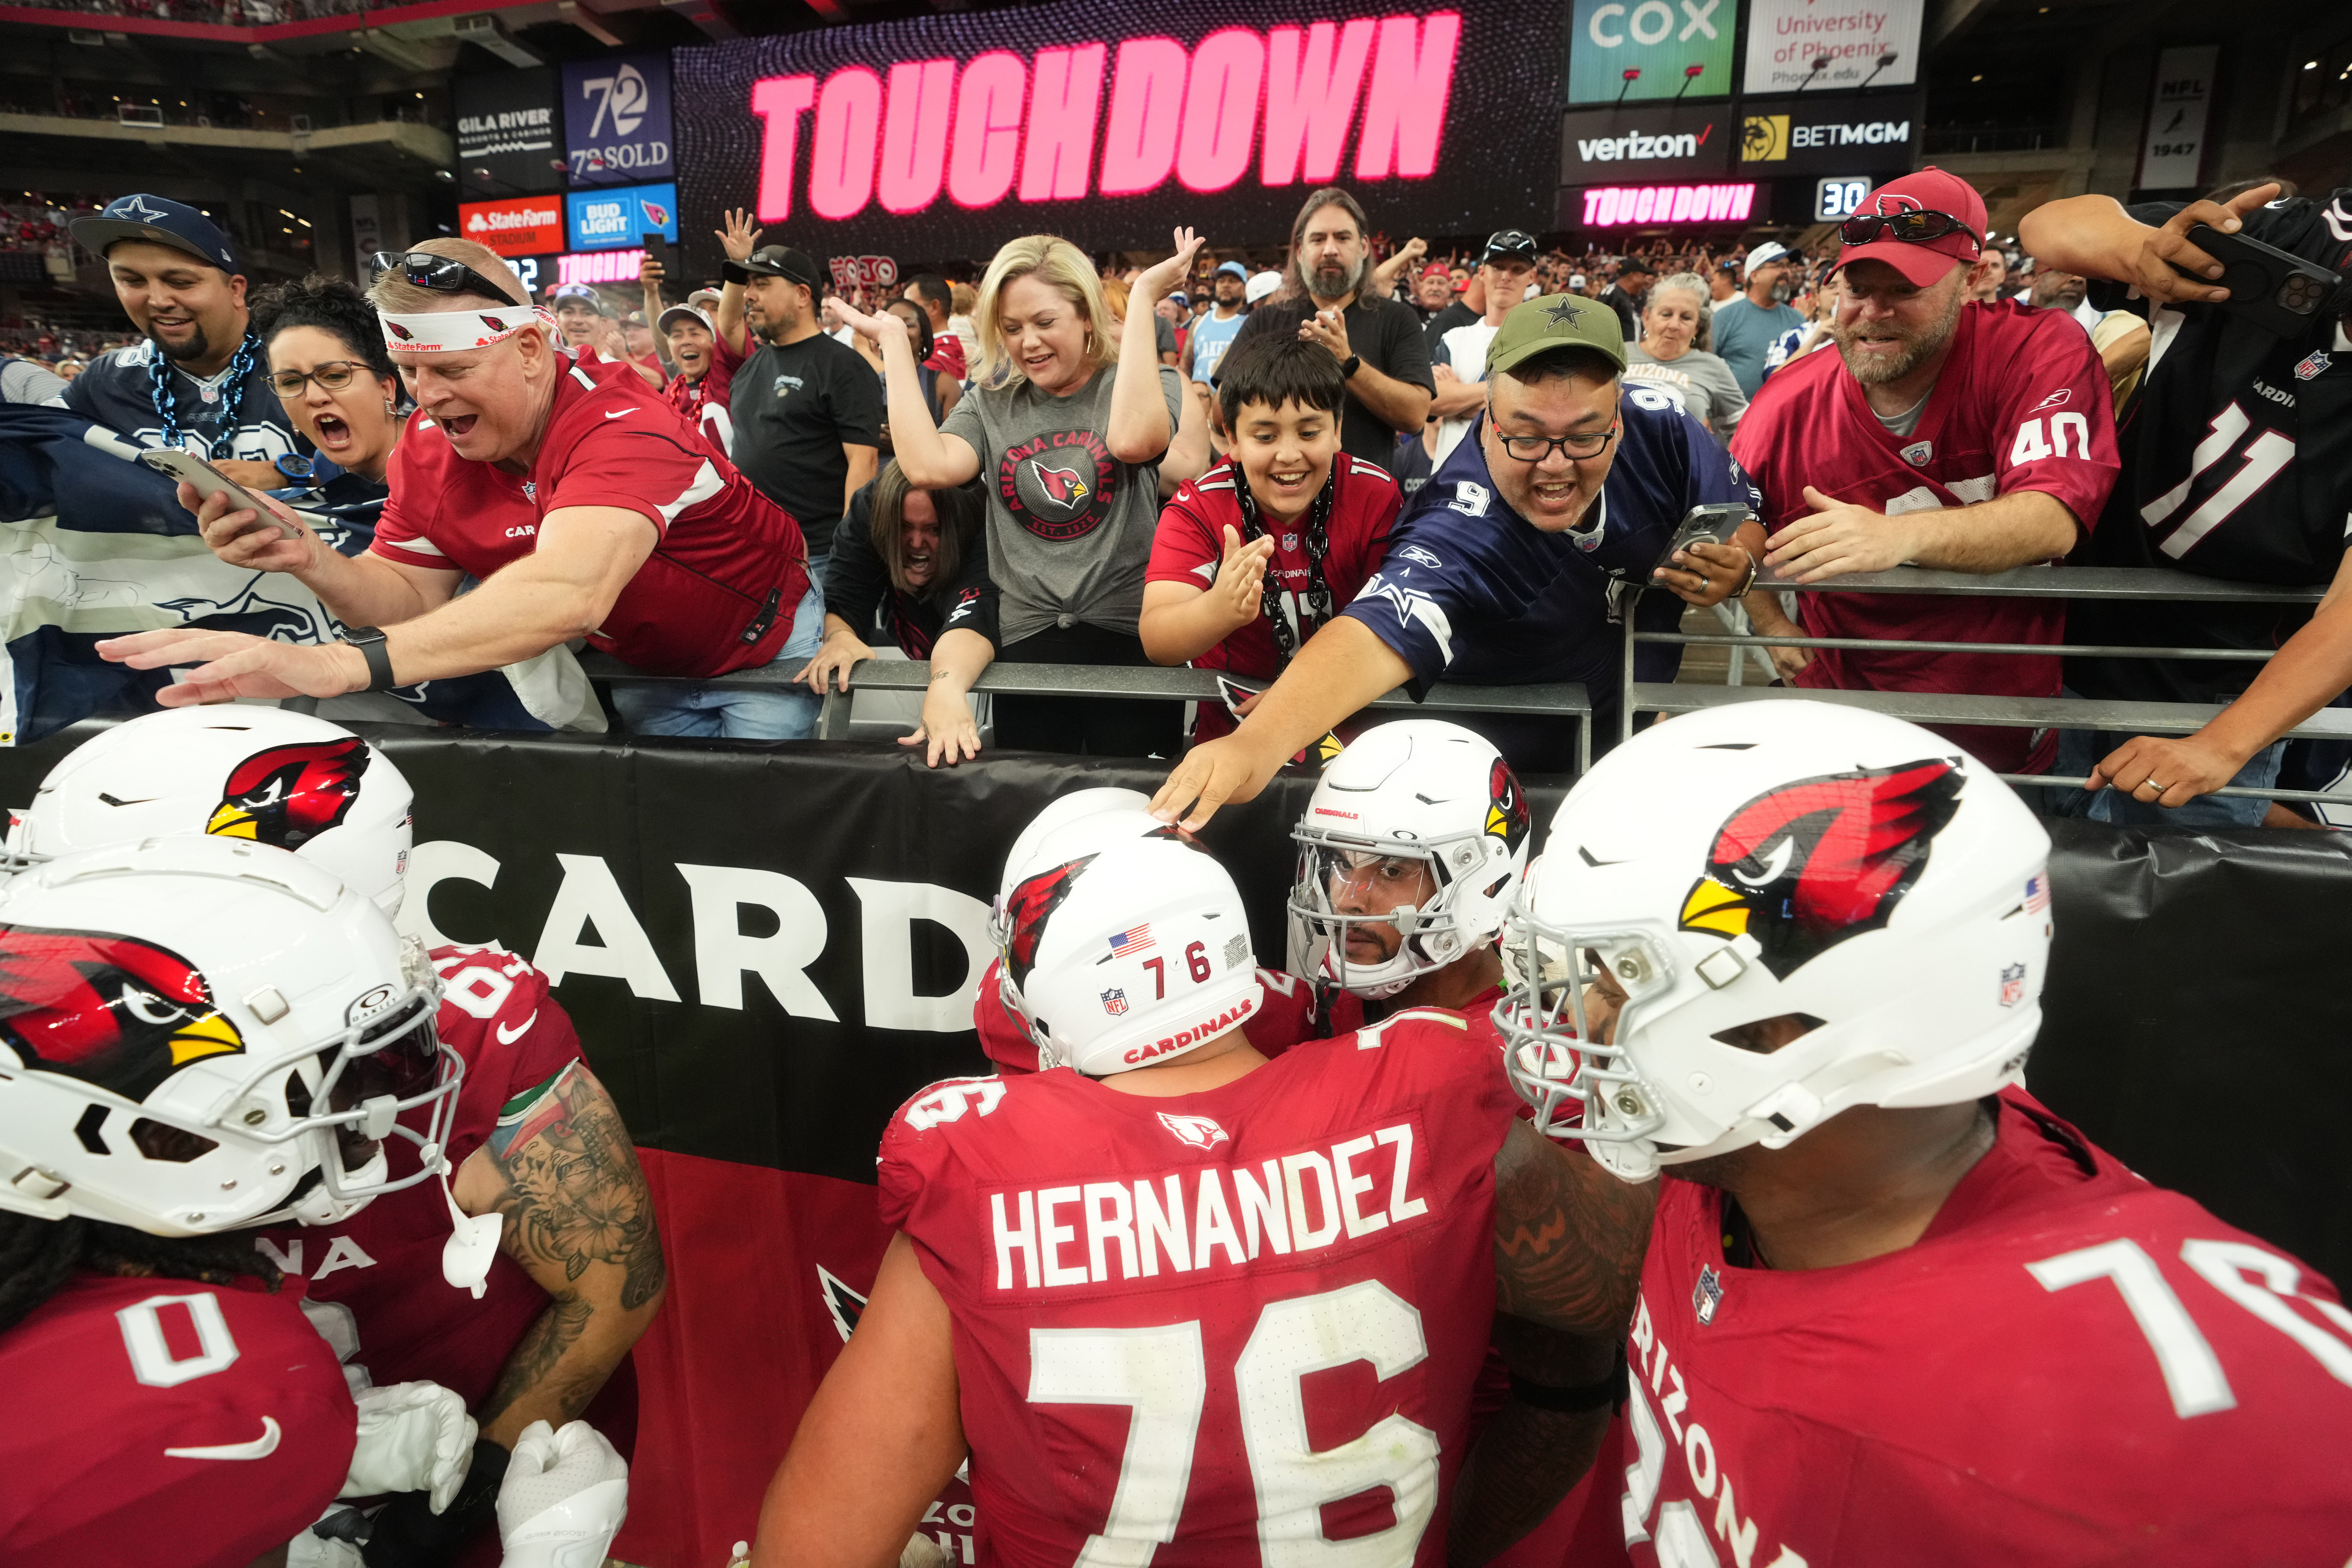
[580, 1221]
[1569, 1238]
[880, 1438]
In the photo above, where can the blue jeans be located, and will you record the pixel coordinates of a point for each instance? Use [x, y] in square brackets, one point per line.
[735, 712]
[2079, 751]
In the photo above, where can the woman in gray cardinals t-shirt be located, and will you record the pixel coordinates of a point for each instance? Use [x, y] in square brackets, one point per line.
[1069, 429]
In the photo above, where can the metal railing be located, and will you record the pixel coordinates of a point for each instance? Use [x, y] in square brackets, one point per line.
[1566, 699]
[2149, 584]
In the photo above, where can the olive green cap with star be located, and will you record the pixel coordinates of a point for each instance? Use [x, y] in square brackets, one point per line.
[1556, 321]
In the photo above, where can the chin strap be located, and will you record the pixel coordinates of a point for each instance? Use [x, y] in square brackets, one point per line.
[473, 1243]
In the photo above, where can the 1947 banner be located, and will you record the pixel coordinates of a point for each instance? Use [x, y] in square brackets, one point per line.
[944, 136]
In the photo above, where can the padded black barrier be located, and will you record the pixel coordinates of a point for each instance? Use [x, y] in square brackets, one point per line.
[2197, 1025]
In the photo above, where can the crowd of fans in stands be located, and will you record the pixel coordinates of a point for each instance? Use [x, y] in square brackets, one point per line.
[997, 491]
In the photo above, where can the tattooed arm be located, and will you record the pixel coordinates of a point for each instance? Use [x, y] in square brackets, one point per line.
[1569, 1236]
[560, 1169]
[1527, 1459]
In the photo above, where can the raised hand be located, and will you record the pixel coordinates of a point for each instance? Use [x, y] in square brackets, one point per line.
[739, 237]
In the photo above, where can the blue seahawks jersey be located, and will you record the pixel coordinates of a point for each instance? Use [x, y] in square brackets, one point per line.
[118, 392]
[1469, 591]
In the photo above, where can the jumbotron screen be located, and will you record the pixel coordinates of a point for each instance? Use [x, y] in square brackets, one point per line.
[942, 137]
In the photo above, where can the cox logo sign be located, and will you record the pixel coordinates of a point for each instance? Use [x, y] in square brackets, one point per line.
[1649, 49]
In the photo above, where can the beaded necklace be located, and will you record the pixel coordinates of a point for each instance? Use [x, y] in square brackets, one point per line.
[159, 389]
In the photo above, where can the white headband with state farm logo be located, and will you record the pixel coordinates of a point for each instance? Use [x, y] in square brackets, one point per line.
[445, 331]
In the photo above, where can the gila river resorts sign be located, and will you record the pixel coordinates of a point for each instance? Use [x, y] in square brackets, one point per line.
[946, 135]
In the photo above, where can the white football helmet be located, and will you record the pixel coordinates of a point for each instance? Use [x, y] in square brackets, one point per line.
[1415, 803]
[1767, 859]
[236, 771]
[1124, 945]
[1133, 821]
[199, 1034]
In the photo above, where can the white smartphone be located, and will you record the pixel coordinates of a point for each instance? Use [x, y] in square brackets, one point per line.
[207, 480]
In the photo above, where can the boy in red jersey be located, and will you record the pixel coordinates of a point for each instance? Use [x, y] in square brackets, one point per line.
[1943, 433]
[1895, 1311]
[1255, 554]
[1286, 1272]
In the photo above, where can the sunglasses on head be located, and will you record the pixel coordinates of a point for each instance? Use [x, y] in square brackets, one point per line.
[440, 273]
[1910, 228]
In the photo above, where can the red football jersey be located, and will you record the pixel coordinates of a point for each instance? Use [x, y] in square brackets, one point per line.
[2070, 1367]
[2022, 405]
[1191, 545]
[1240, 1321]
[729, 559]
[375, 1279]
[1284, 1017]
[166, 1424]
[704, 401]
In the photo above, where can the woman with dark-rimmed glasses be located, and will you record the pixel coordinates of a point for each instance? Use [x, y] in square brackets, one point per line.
[329, 368]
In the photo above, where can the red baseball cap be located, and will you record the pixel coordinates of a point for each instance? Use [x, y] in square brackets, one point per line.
[1925, 261]
[1435, 269]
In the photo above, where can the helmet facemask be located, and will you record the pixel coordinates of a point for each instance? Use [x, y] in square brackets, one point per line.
[1349, 884]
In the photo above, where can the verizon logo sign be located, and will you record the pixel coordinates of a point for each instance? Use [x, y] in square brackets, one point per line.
[1637, 145]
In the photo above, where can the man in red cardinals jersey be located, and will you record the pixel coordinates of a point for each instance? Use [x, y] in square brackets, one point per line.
[1255, 554]
[1943, 433]
[1893, 1310]
[585, 504]
[1285, 1272]
[533, 1137]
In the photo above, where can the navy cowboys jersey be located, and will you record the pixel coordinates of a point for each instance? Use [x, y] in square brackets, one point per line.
[2237, 463]
[1469, 591]
[118, 393]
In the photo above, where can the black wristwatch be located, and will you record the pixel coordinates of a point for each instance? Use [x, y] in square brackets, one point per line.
[369, 640]
[1350, 365]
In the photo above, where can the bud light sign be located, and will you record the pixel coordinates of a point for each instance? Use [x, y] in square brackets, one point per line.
[612, 220]
[616, 120]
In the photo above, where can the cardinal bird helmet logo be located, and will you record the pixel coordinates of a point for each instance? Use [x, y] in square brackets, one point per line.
[1507, 807]
[288, 796]
[1805, 865]
[1026, 910]
[110, 1010]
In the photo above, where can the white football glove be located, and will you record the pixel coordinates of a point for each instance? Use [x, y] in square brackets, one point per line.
[414, 1438]
[563, 1498]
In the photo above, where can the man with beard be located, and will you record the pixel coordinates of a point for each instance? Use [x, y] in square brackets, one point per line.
[200, 383]
[1943, 433]
[1378, 342]
[1745, 328]
[807, 409]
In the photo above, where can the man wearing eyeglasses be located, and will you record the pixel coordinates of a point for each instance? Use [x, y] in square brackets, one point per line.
[1511, 564]
[582, 501]
[1943, 433]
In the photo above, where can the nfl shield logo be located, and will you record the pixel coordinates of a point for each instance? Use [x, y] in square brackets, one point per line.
[1917, 453]
[1707, 1294]
[2313, 364]
[1290, 541]
[1114, 1001]
[2012, 985]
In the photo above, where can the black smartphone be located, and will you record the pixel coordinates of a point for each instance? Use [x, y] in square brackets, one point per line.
[2275, 289]
[657, 250]
[1713, 523]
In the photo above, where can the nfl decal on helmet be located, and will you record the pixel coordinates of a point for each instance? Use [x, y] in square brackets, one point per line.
[1773, 861]
[1418, 805]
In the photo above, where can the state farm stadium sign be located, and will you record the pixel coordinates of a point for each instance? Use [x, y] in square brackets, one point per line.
[942, 136]
[528, 226]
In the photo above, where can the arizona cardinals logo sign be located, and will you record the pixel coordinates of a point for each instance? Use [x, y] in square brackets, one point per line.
[1506, 808]
[1026, 910]
[288, 796]
[109, 1010]
[1803, 867]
